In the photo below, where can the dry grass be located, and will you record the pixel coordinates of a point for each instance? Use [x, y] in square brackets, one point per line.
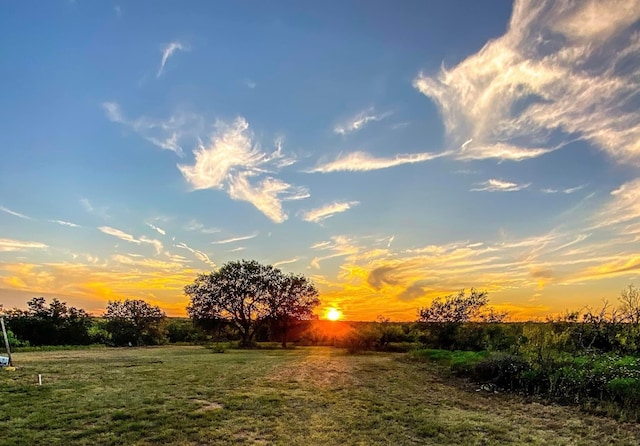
[306, 396]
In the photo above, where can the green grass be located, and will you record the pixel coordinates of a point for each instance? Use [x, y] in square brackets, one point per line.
[307, 396]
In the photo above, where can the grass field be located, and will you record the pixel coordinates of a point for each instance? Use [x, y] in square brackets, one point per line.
[305, 396]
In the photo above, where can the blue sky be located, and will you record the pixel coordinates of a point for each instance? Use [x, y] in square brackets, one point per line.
[393, 152]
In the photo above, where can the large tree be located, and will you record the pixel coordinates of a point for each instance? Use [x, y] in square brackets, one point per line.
[249, 294]
[135, 321]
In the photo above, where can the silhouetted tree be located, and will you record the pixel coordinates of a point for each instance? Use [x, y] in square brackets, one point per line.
[249, 294]
[630, 304]
[55, 324]
[445, 316]
[136, 322]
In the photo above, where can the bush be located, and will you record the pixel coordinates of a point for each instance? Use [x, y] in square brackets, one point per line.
[184, 330]
[361, 340]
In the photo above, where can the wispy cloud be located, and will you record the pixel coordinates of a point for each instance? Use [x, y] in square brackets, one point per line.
[195, 225]
[286, 262]
[358, 121]
[338, 246]
[623, 207]
[329, 210]
[14, 213]
[100, 211]
[10, 245]
[568, 190]
[157, 244]
[557, 74]
[65, 223]
[168, 134]
[494, 185]
[167, 52]
[363, 161]
[238, 249]
[232, 161]
[235, 239]
[199, 254]
[156, 228]
[118, 234]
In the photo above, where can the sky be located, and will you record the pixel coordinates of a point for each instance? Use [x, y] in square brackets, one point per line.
[390, 151]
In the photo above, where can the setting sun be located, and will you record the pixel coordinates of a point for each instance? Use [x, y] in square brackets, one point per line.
[333, 314]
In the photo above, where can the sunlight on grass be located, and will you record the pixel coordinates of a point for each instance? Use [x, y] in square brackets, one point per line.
[191, 396]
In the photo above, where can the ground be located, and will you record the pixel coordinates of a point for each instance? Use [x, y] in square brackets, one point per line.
[305, 396]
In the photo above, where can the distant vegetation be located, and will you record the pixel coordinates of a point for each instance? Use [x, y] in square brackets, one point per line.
[589, 357]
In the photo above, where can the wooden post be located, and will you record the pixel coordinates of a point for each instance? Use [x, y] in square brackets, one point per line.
[6, 341]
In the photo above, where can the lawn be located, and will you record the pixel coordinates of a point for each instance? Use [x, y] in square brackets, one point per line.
[306, 396]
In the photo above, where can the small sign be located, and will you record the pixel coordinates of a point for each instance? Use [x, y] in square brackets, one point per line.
[4, 361]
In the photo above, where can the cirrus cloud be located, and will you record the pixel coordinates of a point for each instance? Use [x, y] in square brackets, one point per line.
[563, 70]
[363, 161]
[329, 210]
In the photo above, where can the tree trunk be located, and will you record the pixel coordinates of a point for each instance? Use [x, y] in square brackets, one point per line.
[285, 331]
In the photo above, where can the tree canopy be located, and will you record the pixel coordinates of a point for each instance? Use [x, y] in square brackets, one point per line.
[55, 324]
[134, 321]
[248, 294]
[460, 308]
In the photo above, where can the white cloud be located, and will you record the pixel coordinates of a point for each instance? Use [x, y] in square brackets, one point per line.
[231, 150]
[119, 234]
[232, 159]
[65, 223]
[328, 210]
[265, 196]
[9, 245]
[156, 228]
[494, 185]
[563, 70]
[199, 254]
[14, 213]
[167, 52]
[285, 262]
[234, 239]
[157, 244]
[362, 161]
[358, 121]
[239, 248]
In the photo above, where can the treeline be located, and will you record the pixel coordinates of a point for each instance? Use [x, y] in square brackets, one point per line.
[128, 322]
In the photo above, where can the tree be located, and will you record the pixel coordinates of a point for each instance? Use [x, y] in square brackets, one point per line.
[55, 324]
[449, 314]
[135, 321]
[630, 304]
[292, 298]
[249, 294]
[455, 309]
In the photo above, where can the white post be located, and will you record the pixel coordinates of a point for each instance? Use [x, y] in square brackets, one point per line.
[6, 341]
[39, 379]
